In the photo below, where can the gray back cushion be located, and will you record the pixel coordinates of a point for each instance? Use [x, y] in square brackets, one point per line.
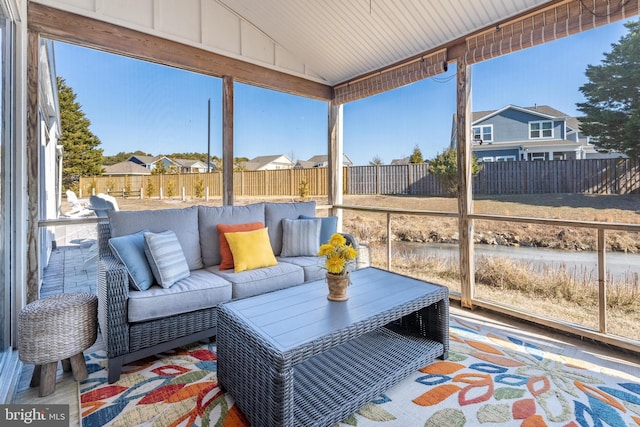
[274, 213]
[209, 217]
[183, 222]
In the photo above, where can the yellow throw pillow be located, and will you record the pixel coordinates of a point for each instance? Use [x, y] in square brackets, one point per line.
[250, 249]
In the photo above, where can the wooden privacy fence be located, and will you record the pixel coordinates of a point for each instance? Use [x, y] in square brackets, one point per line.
[596, 176]
[282, 182]
[593, 176]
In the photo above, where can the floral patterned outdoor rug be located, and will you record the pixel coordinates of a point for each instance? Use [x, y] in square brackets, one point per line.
[493, 376]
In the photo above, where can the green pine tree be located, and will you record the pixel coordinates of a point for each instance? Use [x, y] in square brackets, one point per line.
[81, 157]
[445, 167]
[612, 107]
[416, 156]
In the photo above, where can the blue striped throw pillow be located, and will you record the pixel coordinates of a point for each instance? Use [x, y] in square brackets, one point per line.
[166, 258]
[300, 237]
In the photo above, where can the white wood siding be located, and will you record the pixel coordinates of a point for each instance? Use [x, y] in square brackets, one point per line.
[205, 24]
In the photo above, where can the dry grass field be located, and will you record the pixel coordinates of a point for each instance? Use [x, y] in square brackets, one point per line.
[618, 209]
[553, 293]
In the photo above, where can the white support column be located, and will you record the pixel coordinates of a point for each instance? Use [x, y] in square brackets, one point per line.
[335, 168]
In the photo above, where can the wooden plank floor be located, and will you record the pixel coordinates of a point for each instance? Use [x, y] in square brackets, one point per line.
[71, 268]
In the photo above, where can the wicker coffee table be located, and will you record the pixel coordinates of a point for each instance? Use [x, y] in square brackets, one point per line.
[294, 358]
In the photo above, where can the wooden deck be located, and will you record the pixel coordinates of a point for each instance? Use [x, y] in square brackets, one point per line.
[71, 269]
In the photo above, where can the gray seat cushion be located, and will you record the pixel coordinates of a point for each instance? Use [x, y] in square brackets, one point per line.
[312, 266]
[209, 217]
[266, 279]
[200, 290]
[183, 222]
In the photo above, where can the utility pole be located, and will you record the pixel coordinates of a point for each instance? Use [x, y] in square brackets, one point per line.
[209, 135]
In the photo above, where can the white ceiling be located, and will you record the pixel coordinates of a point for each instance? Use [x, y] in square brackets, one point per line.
[343, 39]
[327, 41]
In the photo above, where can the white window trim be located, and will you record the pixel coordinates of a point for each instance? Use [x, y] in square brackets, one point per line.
[541, 130]
[481, 127]
[505, 158]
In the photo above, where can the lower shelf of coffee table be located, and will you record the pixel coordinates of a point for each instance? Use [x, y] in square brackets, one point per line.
[332, 385]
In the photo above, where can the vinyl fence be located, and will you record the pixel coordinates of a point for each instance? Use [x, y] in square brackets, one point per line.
[597, 176]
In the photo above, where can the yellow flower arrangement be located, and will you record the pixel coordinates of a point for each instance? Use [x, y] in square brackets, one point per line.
[338, 253]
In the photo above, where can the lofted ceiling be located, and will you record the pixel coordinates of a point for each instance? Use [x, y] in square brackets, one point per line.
[343, 39]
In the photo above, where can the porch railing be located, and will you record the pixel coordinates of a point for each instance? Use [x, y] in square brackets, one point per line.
[600, 335]
[601, 228]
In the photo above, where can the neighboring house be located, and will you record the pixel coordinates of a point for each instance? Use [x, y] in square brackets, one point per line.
[402, 161]
[125, 168]
[532, 133]
[304, 164]
[145, 161]
[278, 161]
[151, 162]
[169, 164]
[191, 166]
[321, 161]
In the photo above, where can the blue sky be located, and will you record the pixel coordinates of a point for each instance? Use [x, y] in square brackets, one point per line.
[134, 105]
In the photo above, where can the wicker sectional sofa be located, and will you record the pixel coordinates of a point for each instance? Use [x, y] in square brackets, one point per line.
[139, 323]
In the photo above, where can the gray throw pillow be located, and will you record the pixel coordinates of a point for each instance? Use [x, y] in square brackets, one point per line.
[300, 237]
[129, 250]
[166, 258]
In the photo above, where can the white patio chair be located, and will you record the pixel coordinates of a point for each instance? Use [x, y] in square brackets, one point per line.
[78, 208]
[102, 203]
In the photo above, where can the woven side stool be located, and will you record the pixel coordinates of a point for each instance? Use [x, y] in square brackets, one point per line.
[57, 328]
